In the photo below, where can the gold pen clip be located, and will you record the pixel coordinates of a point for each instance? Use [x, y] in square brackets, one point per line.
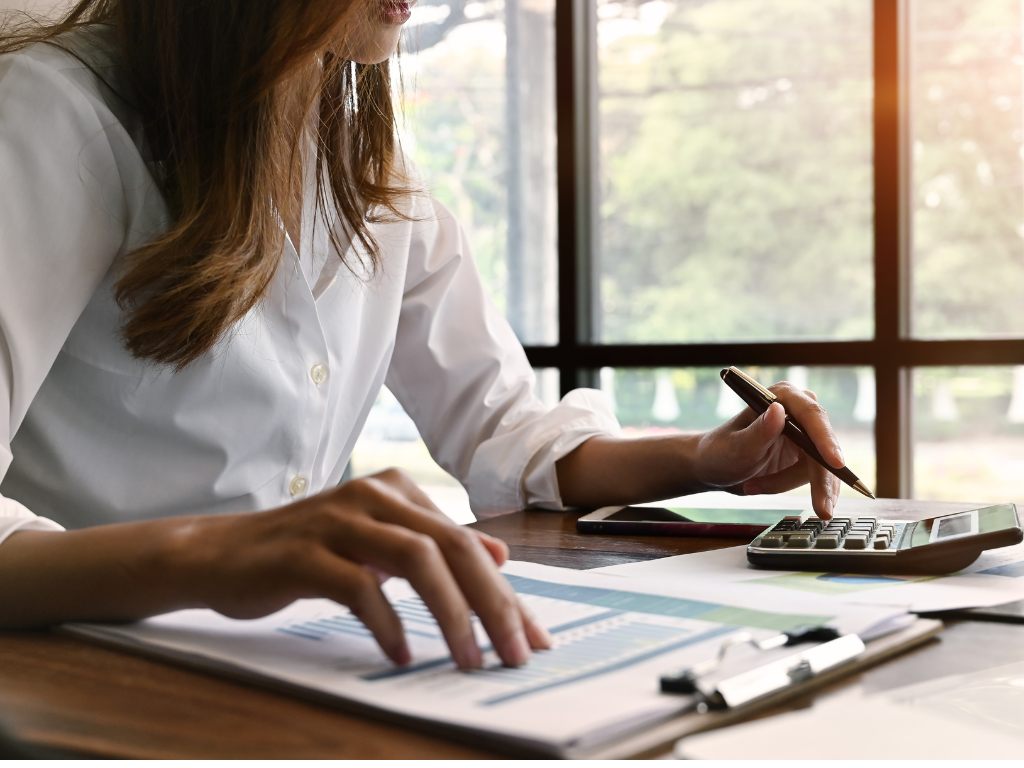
[768, 394]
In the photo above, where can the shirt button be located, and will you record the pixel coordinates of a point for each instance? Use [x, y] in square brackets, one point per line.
[318, 373]
[297, 485]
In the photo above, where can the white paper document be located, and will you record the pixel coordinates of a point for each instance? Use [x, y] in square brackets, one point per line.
[859, 731]
[613, 639]
[961, 717]
[994, 578]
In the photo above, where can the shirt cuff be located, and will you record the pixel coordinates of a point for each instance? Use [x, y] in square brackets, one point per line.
[16, 517]
[517, 468]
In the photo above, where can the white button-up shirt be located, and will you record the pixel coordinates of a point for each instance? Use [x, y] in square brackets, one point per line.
[89, 435]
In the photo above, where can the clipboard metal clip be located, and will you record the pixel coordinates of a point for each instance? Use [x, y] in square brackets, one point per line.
[760, 681]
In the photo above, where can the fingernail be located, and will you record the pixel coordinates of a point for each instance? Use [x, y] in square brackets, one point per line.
[402, 656]
[470, 656]
[545, 636]
[517, 651]
[536, 632]
[839, 457]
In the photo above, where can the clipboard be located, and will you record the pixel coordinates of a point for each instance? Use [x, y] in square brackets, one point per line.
[658, 741]
[763, 680]
[1007, 613]
[655, 740]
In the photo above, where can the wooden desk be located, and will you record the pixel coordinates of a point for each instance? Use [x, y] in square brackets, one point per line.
[64, 693]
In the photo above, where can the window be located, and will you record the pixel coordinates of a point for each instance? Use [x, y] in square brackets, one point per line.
[735, 171]
[966, 198]
[969, 433]
[829, 186]
[478, 82]
[827, 191]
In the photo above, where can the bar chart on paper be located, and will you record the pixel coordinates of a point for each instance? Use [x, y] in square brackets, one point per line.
[595, 631]
[611, 641]
[587, 648]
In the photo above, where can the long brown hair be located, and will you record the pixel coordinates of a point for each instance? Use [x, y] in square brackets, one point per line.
[214, 82]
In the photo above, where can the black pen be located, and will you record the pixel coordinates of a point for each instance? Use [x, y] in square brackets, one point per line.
[759, 398]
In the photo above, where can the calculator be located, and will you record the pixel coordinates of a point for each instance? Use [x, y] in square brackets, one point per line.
[876, 545]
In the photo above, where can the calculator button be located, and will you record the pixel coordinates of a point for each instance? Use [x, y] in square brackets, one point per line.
[827, 541]
[787, 524]
[847, 520]
[772, 540]
[882, 542]
[856, 542]
[800, 539]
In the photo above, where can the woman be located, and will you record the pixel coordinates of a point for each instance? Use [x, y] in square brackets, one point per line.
[212, 255]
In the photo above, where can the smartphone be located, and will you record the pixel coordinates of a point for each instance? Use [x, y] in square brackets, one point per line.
[683, 521]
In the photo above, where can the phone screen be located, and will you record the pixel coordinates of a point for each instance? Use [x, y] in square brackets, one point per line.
[764, 517]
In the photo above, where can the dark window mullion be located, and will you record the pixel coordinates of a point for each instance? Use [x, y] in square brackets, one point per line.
[576, 125]
[911, 353]
[891, 258]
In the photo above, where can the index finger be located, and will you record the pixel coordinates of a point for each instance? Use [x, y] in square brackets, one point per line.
[488, 592]
[803, 406]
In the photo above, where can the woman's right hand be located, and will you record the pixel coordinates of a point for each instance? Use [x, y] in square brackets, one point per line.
[341, 544]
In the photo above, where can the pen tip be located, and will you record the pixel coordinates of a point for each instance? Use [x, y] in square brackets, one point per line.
[863, 489]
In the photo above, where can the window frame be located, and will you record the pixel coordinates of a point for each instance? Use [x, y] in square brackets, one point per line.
[892, 353]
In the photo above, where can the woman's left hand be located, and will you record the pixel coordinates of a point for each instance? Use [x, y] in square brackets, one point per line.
[749, 454]
[746, 455]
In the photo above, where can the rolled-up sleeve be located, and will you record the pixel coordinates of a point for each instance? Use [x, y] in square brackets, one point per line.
[15, 517]
[463, 377]
[62, 219]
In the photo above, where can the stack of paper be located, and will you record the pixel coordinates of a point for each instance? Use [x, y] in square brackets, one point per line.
[613, 640]
[995, 578]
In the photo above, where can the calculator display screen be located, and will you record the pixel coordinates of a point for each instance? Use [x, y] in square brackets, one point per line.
[964, 524]
[953, 526]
